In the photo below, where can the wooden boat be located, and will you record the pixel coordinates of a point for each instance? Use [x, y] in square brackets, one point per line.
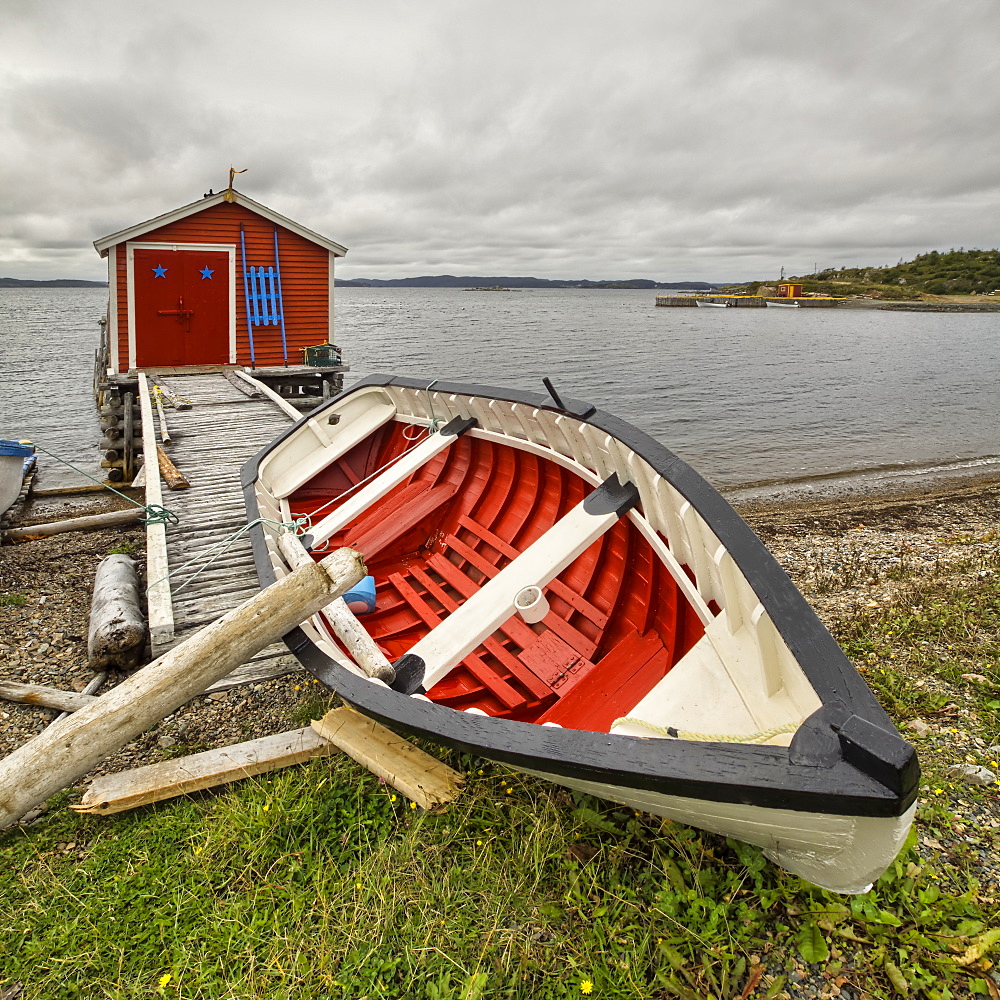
[559, 592]
[705, 304]
[771, 304]
[17, 459]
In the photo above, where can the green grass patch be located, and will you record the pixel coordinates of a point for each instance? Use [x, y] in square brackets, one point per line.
[13, 600]
[127, 548]
[321, 882]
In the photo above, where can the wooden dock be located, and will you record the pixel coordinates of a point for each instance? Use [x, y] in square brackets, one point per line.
[745, 301]
[225, 418]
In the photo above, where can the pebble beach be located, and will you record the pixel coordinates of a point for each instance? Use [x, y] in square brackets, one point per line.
[854, 559]
[843, 554]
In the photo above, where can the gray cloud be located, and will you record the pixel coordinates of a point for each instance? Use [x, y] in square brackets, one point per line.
[558, 139]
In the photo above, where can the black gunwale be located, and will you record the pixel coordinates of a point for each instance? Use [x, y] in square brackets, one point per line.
[738, 773]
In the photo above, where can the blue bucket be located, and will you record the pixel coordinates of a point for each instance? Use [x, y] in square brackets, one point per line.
[361, 597]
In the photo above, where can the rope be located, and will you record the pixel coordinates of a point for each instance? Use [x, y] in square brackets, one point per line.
[155, 514]
[170, 398]
[378, 471]
[222, 547]
[687, 734]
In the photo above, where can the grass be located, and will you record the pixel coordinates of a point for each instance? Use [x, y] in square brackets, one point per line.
[322, 882]
[13, 600]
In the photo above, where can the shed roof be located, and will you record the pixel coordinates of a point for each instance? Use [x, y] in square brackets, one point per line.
[105, 243]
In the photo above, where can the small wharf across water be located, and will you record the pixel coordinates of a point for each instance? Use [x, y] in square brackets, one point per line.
[200, 567]
[745, 301]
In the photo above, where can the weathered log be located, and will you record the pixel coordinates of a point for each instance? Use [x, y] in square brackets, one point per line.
[91, 689]
[173, 477]
[164, 432]
[129, 466]
[117, 626]
[107, 520]
[68, 749]
[344, 622]
[44, 697]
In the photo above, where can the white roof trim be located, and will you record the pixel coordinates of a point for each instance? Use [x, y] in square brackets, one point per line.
[103, 245]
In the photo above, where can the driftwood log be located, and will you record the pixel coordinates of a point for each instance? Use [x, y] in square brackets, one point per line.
[361, 646]
[173, 477]
[108, 520]
[45, 697]
[70, 748]
[117, 625]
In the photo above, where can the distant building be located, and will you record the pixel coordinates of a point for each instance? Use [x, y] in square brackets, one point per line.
[787, 290]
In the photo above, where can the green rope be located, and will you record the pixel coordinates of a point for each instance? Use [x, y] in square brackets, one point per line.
[155, 514]
[687, 734]
[221, 548]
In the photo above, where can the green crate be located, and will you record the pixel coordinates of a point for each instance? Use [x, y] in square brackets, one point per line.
[321, 356]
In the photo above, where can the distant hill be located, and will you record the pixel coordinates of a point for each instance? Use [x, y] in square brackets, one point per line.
[476, 281]
[949, 272]
[52, 283]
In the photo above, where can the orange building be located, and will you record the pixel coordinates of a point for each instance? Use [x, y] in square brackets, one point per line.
[789, 291]
[224, 280]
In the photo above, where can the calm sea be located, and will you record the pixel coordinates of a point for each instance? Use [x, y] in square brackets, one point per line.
[760, 401]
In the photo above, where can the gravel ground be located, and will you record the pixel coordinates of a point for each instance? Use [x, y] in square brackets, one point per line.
[843, 554]
[44, 641]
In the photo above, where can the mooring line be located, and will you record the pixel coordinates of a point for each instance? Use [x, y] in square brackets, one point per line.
[155, 514]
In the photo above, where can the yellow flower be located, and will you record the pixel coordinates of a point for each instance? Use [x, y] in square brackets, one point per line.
[586, 986]
[164, 979]
[392, 798]
[413, 805]
[479, 843]
[509, 790]
[939, 791]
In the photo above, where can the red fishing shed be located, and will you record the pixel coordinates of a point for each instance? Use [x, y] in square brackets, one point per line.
[221, 281]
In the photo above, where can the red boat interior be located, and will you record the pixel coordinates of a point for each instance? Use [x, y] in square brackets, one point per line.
[617, 621]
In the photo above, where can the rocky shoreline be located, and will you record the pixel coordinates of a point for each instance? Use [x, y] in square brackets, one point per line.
[844, 554]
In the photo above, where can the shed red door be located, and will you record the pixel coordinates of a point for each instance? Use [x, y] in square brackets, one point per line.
[181, 307]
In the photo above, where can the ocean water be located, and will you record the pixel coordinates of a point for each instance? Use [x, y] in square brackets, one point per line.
[760, 401]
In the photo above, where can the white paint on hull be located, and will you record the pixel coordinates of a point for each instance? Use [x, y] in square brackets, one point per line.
[841, 853]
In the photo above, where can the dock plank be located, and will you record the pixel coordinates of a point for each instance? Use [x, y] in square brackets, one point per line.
[223, 428]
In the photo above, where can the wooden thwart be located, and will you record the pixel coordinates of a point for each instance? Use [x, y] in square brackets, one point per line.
[112, 793]
[408, 769]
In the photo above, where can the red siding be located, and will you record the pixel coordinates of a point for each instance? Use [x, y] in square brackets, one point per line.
[305, 280]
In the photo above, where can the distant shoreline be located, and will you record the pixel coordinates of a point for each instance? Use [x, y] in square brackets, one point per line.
[51, 283]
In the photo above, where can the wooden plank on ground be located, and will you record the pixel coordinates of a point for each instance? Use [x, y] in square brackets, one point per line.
[112, 793]
[421, 778]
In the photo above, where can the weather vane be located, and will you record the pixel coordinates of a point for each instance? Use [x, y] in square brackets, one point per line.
[230, 194]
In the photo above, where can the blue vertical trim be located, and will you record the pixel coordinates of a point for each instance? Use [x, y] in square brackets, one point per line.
[246, 293]
[277, 267]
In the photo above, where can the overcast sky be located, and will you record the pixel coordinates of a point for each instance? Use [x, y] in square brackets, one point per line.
[714, 140]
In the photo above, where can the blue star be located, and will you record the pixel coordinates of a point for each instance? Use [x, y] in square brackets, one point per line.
[159, 272]
[206, 272]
